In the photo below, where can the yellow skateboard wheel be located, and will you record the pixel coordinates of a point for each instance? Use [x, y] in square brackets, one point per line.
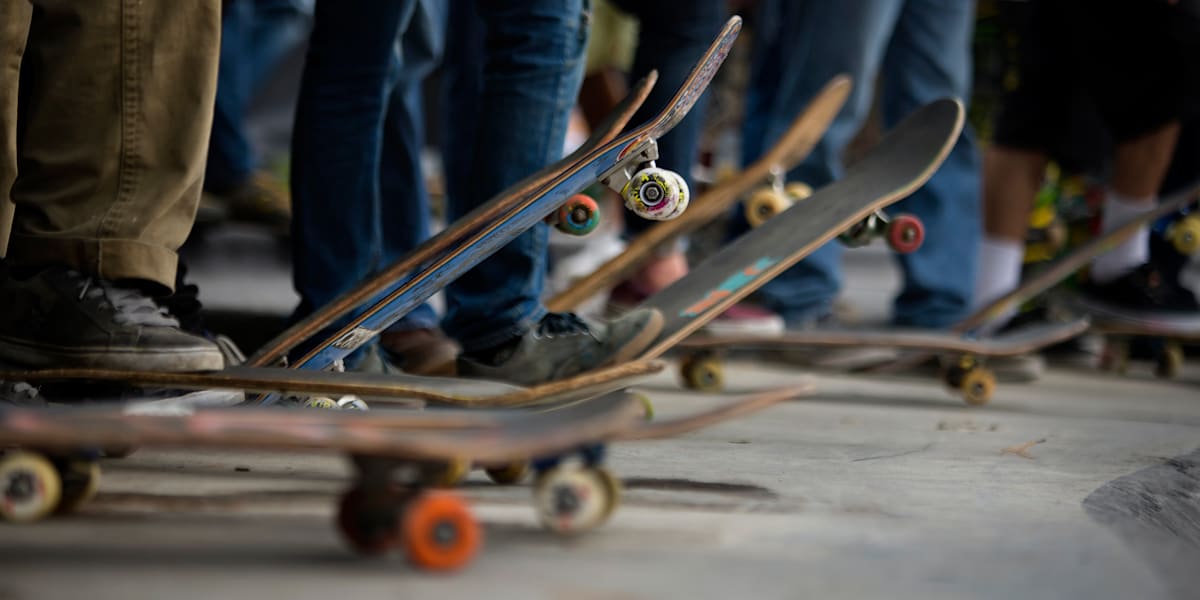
[702, 372]
[763, 205]
[30, 487]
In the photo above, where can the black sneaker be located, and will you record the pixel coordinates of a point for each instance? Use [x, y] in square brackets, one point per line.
[565, 344]
[1144, 291]
[62, 318]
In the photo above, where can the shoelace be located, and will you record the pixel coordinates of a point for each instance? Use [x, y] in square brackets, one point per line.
[131, 306]
[554, 324]
[20, 388]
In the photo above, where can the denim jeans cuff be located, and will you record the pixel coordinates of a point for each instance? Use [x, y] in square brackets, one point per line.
[502, 329]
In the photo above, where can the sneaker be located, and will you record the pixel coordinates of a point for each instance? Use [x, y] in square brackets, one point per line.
[421, 351]
[1145, 291]
[62, 318]
[745, 318]
[562, 345]
[261, 199]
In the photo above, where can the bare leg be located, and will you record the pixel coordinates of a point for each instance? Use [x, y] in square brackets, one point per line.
[1011, 179]
[1138, 171]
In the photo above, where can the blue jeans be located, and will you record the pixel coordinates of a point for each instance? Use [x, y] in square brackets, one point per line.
[503, 124]
[255, 35]
[358, 198]
[922, 49]
[672, 37]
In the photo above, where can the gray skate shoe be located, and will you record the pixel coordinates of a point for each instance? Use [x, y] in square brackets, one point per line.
[564, 344]
[62, 318]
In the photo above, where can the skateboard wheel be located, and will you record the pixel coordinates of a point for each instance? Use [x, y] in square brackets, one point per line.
[647, 406]
[578, 216]
[612, 491]
[797, 191]
[685, 196]
[653, 193]
[319, 402]
[351, 403]
[1169, 361]
[440, 533]
[977, 386]
[571, 499]
[369, 519]
[702, 372]
[763, 205]
[1184, 235]
[30, 488]
[80, 480]
[510, 474]
[451, 473]
[905, 234]
[1115, 357]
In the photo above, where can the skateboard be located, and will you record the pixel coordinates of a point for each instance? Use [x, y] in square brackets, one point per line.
[1163, 336]
[792, 148]
[327, 389]
[398, 459]
[1053, 273]
[968, 374]
[625, 163]
[901, 163]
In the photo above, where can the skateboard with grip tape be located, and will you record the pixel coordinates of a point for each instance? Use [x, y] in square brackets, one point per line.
[48, 460]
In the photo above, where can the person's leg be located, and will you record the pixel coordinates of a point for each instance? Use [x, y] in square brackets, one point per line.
[336, 147]
[929, 57]
[230, 157]
[813, 42]
[14, 29]
[534, 68]
[672, 35]
[1031, 119]
[534, 63]
[415, 341]
[1144, 88]
[114, 113]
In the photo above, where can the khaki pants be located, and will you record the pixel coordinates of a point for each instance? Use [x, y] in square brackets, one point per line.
[14, 28]
[115, 109]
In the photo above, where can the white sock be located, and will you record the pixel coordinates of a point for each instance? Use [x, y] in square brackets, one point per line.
[999, 270]
[1131, 253]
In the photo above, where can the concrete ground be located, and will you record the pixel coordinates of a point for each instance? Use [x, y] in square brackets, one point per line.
[1081, 485]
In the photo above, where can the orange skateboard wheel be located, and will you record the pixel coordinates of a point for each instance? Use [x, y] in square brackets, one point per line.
[440, 533]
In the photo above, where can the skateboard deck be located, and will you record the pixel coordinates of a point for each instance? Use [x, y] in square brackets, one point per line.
[1050, 275]
[398, 290]
[466, 393]
[1162, 336]
[793, 147]
[901, 163]
[398, 456]
[701, 368]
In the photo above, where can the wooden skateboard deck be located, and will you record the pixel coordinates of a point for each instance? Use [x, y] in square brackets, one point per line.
[1050, 275]
[1163, 336]
[1013, 343]
[447, 239]
[701, 368]
[397, 456]
[793, 147]
[466, 393]
[398, 290]
[901, 163]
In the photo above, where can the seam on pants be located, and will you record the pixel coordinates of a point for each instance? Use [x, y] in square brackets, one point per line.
[128, 174]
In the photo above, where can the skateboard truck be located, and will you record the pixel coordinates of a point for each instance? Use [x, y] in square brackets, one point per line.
[649, 191]
[904, 233]
[774, 198]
